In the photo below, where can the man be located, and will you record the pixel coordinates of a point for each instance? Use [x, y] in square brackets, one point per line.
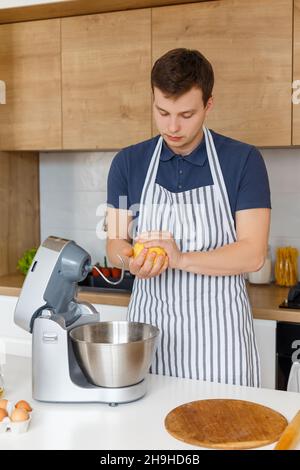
[205, 199]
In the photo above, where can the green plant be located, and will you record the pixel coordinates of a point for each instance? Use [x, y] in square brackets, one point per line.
[25, 261]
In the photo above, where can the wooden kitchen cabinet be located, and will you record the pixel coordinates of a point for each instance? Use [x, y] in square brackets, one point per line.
[106, 62]
[30, 68]
[19, 207]
[249, 45]
[84, 82]
[296, 75]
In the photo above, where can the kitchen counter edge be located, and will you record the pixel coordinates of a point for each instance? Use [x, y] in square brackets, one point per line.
[264, 299]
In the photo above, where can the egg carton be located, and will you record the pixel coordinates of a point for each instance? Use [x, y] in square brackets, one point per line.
[17, 427]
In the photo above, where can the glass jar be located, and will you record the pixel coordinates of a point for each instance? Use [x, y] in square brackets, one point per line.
[286, 266]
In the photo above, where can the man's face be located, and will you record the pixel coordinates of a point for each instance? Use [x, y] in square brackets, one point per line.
[180, 120]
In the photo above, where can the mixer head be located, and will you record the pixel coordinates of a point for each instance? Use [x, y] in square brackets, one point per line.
[51, 282]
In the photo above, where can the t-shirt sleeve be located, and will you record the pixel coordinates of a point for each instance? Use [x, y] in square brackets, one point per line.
[254, 188]
[117, 182]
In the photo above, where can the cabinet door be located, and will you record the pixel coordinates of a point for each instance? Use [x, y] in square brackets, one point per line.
[265, 332]
[106, 63]
[296, 75]
[30, 69]
[249, 45]
[13, 339]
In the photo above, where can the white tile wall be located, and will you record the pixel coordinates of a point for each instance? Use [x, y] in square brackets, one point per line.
[72, 189]
[284, 174]
[73, 184]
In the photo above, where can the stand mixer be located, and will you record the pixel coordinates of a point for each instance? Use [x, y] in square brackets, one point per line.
[48, 308]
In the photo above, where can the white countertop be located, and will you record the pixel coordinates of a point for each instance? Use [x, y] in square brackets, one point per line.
[137, 425]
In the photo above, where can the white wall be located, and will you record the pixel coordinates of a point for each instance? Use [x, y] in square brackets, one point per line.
[73, 185]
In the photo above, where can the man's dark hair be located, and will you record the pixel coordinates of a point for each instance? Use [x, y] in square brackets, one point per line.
[179, 70]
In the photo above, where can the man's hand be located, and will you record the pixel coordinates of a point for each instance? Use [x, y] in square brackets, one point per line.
[143, 265]
[164, 240]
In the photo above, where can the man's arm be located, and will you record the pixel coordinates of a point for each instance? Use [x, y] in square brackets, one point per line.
[118, 237]
[247, 254]
[119, 242]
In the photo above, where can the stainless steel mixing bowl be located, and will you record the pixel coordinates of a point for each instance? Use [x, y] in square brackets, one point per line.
[115, 353]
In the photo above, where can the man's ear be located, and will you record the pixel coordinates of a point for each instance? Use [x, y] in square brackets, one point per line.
[209, 105]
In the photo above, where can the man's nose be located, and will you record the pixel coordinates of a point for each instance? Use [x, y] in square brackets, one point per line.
[173, 125]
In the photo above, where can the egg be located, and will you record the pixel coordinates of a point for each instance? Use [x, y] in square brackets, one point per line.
[138, 247]
[3, 404]
[3, 414]
[19, 414]
[23, 404]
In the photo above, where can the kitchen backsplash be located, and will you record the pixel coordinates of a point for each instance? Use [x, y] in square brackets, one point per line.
[73, 186]
[284, 169]
[72, 189]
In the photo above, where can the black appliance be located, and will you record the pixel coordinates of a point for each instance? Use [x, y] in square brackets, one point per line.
[293, 298]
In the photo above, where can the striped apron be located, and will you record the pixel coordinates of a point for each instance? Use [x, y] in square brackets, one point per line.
[205, 321]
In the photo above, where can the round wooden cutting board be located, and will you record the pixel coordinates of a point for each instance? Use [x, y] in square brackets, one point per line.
[225, 424]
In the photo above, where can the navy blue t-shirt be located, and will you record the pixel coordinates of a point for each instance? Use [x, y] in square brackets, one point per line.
[242, 165]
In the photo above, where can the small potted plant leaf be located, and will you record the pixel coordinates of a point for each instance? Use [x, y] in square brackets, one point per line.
[25, 261]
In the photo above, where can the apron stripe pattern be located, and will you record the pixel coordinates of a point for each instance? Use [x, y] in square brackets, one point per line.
[218, 175]
[205, 321]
